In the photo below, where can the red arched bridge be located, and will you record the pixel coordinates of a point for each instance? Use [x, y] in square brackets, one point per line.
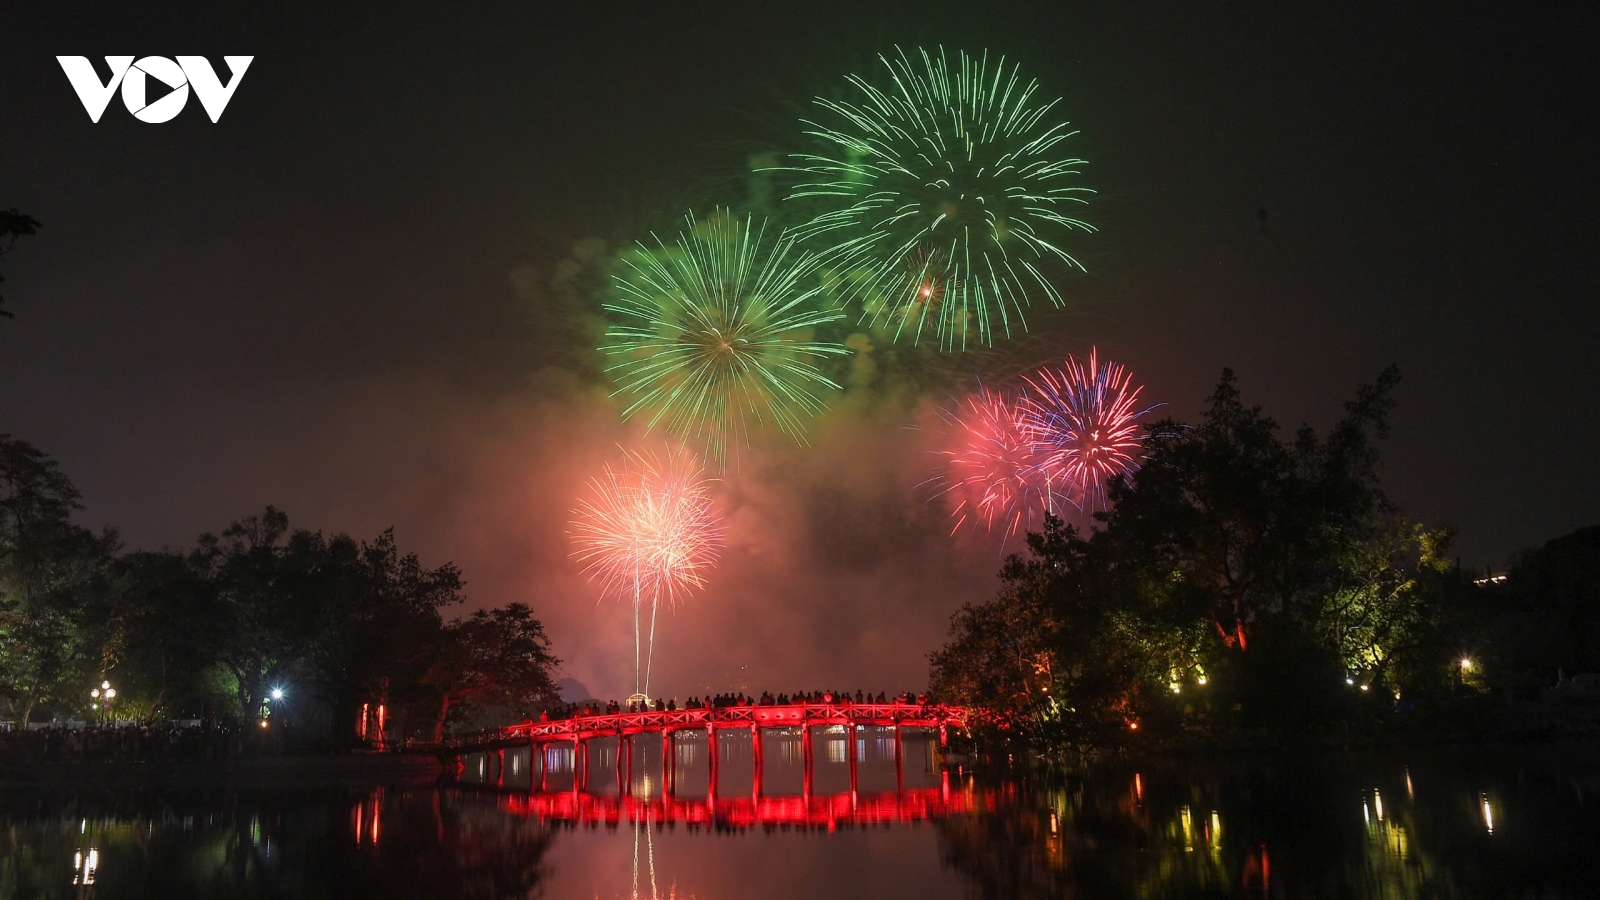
[578, 731]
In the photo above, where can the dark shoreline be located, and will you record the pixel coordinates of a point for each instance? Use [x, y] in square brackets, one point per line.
[405, 769]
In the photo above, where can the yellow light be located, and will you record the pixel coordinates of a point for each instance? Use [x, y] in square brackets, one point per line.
[1176, 688]
[263, 723]
[1201, 681]
[1364, 687]
[105, 685]
[95, 692]
[1466, 663]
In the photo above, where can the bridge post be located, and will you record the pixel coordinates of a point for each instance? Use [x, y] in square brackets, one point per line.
[899, 764]
[629, 768]
[850, 752]
[755, 743]
[668, 763]
[711, 742]
[582, 749]
[805, 757]
[544, 765]
[500, 768]
[620, 741]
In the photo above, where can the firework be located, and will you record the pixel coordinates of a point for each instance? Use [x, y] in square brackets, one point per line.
[996, 474]
[1083, 422]
[946, 193]
[647, 531]
[712, 335]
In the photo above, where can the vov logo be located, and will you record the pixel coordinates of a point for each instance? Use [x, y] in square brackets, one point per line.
[134, 77]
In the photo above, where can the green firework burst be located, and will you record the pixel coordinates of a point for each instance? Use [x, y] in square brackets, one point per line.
[947, 196]
[712, 334]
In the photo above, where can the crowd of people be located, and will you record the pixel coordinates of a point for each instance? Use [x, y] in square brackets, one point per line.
[727, 701]
[186, 741]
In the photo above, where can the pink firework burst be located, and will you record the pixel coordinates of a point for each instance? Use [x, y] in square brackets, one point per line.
[996, 475]
[1083, 423]
[647, 530]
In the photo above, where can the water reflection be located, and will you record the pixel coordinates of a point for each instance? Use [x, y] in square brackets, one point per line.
[1455, 824]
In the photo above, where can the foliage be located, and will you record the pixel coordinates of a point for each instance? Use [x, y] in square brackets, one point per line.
[1237, 578]
[49, 568]
[498, 657]
[260, 606]
[13, 224]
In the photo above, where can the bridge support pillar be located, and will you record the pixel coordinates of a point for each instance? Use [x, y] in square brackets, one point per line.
[618, 766]
[538, 749]
[625, 744]
[899, 764]
[711, 744]
[805, 761]
[580, 766]
[669, 762]
[755, 745]
[850, 753]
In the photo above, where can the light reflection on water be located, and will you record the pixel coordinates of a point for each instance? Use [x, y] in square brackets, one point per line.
[1520, 822]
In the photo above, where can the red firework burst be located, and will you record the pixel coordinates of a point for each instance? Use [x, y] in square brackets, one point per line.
[1083, 423]
[995, 473]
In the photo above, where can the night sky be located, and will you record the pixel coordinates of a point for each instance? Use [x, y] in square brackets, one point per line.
[323, 302]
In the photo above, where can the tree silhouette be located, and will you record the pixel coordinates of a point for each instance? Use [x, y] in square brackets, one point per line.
[13, 224]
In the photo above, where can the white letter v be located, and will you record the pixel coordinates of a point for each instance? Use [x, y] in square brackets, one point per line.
[94, 95]
[213, 95]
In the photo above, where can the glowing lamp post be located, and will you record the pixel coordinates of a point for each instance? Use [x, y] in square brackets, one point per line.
[102, 697]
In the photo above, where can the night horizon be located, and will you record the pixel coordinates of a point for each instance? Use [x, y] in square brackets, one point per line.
[459, 273]
[255, 314]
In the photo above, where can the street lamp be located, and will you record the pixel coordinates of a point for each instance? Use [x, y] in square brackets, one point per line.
[102, 695]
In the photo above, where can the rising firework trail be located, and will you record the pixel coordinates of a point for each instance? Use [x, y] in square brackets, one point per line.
[1083, 423]
[647, 530]
[711, 335]
[943, 187]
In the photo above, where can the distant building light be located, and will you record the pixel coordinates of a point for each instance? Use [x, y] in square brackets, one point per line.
[1488, 580]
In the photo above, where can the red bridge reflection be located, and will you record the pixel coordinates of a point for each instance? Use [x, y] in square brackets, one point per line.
[742, 812]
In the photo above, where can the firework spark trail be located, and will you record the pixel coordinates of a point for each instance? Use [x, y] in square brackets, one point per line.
[949, 196]
[647, 530]
[1083, 421]
[711, 335]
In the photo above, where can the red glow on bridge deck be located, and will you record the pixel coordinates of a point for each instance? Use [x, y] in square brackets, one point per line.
[794, 715]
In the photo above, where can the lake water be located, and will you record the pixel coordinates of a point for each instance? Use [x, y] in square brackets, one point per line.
[1479, 822]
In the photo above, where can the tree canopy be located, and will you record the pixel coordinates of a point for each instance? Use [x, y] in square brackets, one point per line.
[1239, 576]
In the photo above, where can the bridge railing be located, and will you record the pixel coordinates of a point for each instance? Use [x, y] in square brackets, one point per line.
[911, 715]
